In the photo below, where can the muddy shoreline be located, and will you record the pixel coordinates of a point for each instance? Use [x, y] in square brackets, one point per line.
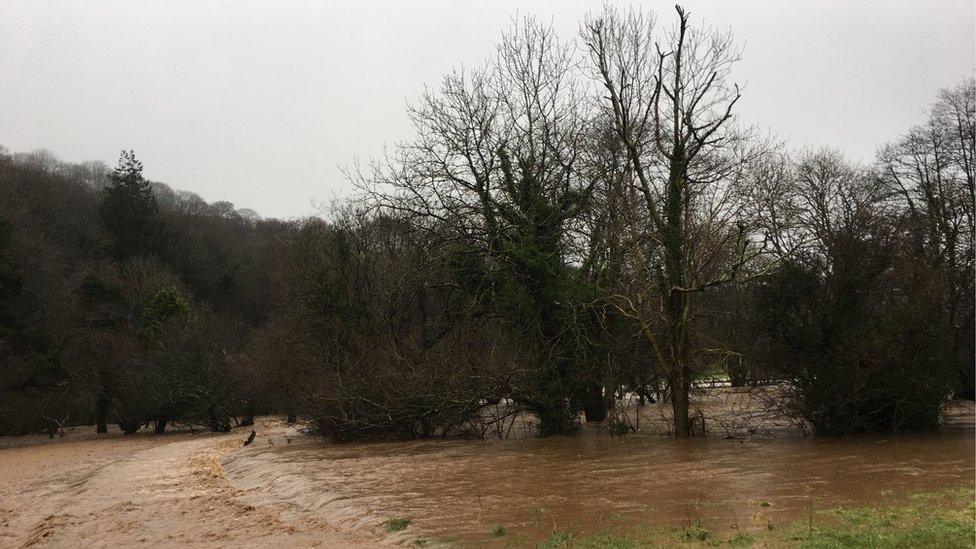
[169, 490]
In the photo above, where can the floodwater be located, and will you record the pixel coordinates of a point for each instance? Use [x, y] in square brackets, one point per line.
[458, 491]
[94, 491]
[285, 490]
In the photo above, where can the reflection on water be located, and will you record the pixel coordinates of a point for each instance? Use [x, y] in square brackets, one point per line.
[460, 490]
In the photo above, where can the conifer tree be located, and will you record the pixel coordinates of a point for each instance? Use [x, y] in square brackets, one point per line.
[129, 210]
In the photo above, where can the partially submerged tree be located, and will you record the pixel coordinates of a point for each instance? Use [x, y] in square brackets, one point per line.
[496, 172]
[852, 307]
[374, 343]
[931, 173]
[671, 107]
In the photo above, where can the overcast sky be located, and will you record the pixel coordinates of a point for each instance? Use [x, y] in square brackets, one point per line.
[261, 103]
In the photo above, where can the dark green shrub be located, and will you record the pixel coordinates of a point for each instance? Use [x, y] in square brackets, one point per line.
[862, 348]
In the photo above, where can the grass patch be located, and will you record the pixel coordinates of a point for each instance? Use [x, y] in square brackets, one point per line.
[559, 539]
[695, 532]
[498, 531]
[396, 524]
[944, 519]
[741, 539]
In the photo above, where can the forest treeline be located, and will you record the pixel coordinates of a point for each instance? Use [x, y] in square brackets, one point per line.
[575, 220]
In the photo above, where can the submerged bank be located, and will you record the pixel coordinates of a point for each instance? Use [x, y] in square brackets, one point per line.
[288, 490]
[464, 492]
[89, 490]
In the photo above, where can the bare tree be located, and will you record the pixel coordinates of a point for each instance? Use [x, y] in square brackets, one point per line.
[931, 172]
[671, 107]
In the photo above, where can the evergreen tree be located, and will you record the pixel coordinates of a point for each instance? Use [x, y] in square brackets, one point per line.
[129, 210]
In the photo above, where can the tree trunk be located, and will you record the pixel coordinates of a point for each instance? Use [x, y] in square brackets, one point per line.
[101, 412]
[219, 421]
[160, 426]
[248, 419]
[679, 375]
[678, 370]
[679, 404]
[556, 419]
[594, 405]
[129, 427]
[738, 373]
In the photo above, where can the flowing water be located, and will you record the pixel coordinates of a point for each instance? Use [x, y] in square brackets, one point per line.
[460, 490]
[200, 490]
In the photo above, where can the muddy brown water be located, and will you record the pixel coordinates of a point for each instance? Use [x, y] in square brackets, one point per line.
[458, 491]
[285, 490]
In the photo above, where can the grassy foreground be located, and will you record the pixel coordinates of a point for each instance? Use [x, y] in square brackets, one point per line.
[944, 519]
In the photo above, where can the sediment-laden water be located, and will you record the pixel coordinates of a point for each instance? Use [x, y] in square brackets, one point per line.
[286, 490]
[461, 490]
